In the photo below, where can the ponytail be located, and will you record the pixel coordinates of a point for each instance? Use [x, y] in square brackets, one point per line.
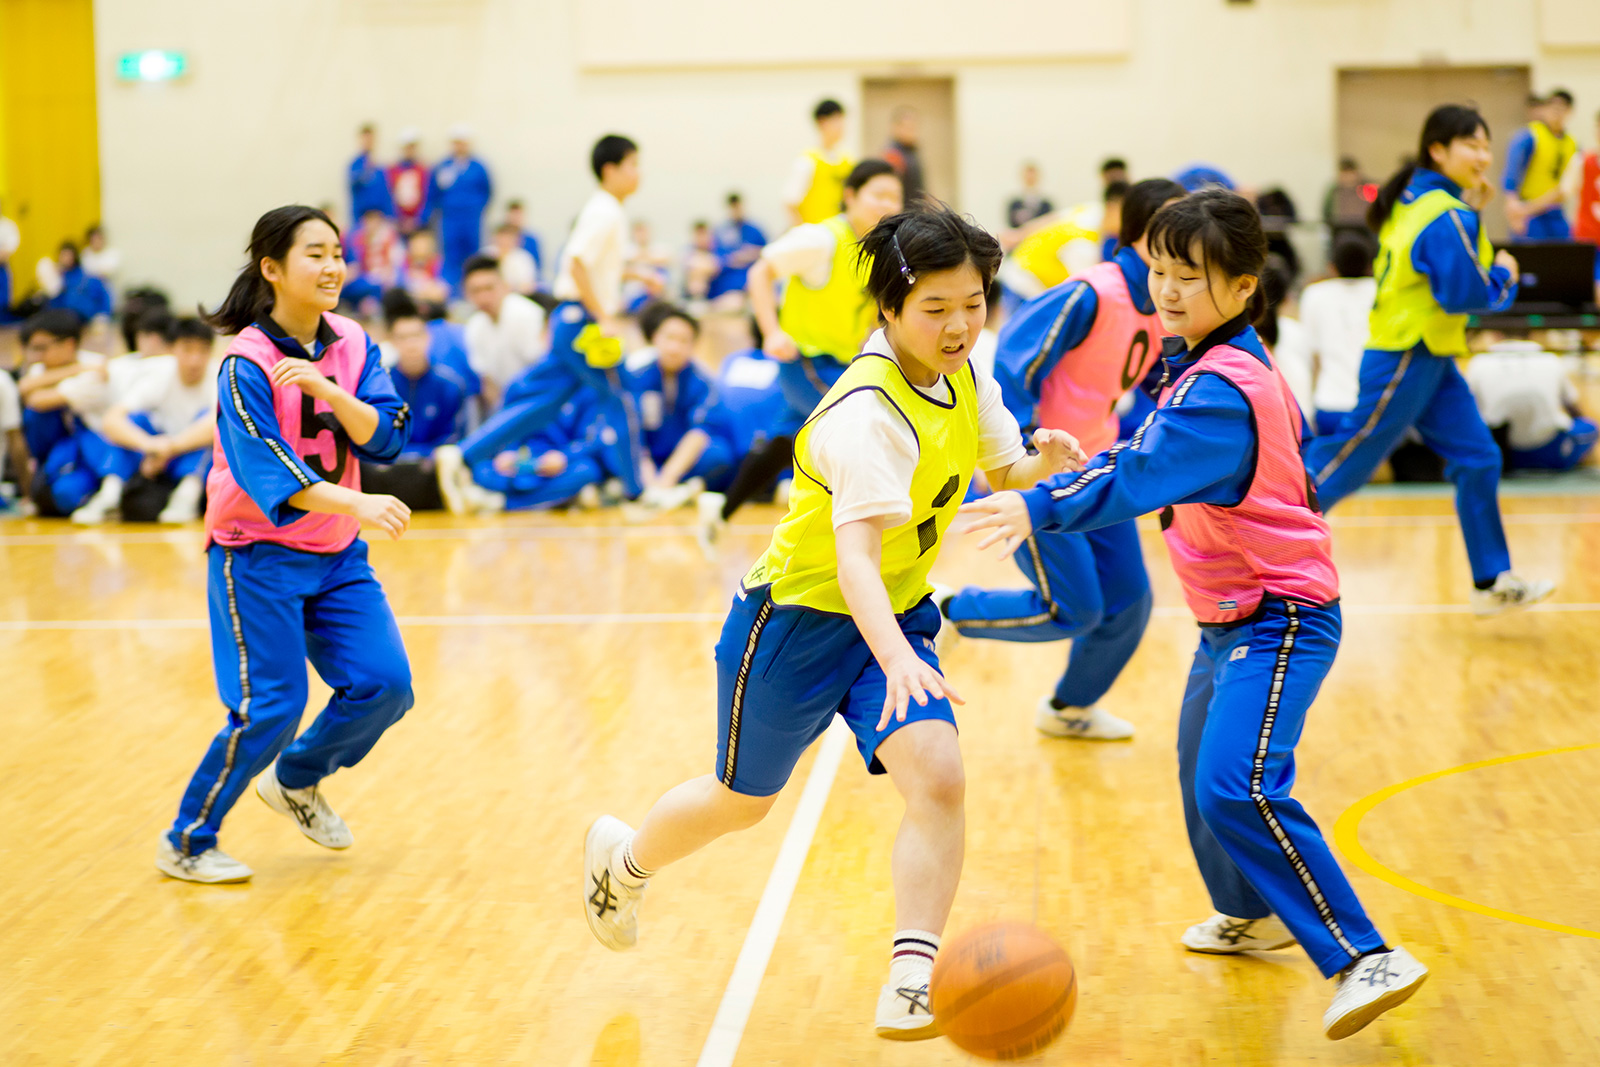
[1444, 124]
[251, 294]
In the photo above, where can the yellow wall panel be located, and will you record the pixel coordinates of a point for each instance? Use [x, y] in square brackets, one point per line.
[49, 138]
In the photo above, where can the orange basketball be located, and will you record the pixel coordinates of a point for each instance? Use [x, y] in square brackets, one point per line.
[1003, 991]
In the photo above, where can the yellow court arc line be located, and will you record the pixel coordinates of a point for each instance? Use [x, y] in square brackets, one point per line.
[1346, 835]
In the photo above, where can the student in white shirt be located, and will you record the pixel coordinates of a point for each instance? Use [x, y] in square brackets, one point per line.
[162, 430]
[505, 336]
[61, 444]
[517, 265]
[585, 341]
[1334, 313]
[1526, 391]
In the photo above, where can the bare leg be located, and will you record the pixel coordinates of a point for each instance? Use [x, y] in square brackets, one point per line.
[924, 761]
[690, 816]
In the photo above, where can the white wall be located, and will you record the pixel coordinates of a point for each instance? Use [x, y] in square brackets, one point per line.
[269, 112]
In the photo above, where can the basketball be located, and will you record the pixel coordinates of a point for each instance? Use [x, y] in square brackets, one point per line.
[1003, 991]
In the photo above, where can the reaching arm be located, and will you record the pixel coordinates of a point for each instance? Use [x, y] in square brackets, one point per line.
[1447, 252]
[691, 446]
[761, 287]
[587, 295]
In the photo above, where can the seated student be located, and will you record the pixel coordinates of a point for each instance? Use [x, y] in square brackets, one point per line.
[505, 336]
[668, 389]
[424, 269]
[76, 289]
[1335, 315]
[63, 478]
[161, 431]
[1528, 400]
[644, 269]
[375, 261]
[437, 399]
[700, 264]
[516, 215]
[737, 244]
[563, 462]
[517, 265]
[135, 302]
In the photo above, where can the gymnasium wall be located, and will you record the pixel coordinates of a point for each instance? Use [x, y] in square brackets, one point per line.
[718, 101]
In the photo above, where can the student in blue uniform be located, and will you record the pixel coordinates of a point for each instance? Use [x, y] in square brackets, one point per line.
[667, 386]
[737, 243]
[64, 474]
[459, 192]
[435, 394]
[369, 182]
[304, 397]
[563, 462]
[1063, 361]
[1435, 264]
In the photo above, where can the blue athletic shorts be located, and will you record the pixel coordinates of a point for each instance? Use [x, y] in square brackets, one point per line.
[783, 673]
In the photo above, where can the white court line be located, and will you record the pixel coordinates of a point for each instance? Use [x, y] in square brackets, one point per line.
[740, 996]
[645, 617]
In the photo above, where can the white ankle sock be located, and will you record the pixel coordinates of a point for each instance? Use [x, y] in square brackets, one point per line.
[626, 868]
[914, 951]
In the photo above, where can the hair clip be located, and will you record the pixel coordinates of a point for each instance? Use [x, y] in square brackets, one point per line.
[905, 268]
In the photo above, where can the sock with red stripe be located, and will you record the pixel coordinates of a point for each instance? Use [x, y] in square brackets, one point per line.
[912, 963]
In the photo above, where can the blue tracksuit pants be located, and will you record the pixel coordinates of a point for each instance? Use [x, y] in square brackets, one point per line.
[273, 608]
[1090, 587]
[528, 491]
[547, 386]
[70, 456]
[1562, 452]
[806, 380]
[1416, 388]
[107, 458]
[1258, 850]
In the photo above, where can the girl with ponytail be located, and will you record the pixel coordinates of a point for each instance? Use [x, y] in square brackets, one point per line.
[302, 400]
[1435, 265]
[1220, 460]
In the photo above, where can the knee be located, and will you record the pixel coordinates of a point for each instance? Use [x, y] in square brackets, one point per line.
[388, 690]
[1221, 799]
[940, 782]
[743, 811]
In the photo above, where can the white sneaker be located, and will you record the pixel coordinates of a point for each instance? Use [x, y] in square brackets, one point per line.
[483, 501]
[710, 526]
[612, 491]
[1369, 987]
[307, 808]
[611, 907]
[451, 469]
[942, 595]
[780, 492]
[98, 508]
[588, 498]
[1223, 935]
[1510, 593]
[904, 1013]
[211, 867]
[1085, 724]
[184, 503]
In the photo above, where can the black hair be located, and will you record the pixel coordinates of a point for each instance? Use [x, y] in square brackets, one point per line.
[912, 244]
[1116, 190]
[190, 328]
[866, 170]
[135, 302]
[734, 198]
[1561, 95]
[612, 149]
[1276, 279]
[1444, 124]
[826, 108]
[1114, 163]
[1227, 229]
[543, 299]
[251, 294]
[70, 246]
[513, 205]
[1142, 200]
[88, 235]
[155, 320]
[656, 314]
[1352, 255]
[1348, 163]
[397, 305]
[367, 127]
[60, 323]
[479, 261]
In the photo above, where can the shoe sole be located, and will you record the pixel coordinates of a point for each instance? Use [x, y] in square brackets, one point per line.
[1512, 609]
[588, 913]
[1236, 951]
[1358, 1020]
[178, 873]
[261, 792]
[923, 1032]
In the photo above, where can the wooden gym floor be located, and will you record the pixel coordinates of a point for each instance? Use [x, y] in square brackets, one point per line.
[563, 669]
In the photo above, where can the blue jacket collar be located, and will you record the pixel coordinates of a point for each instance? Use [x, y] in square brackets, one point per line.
[327, 336]
[1137, 276]
[1237, 331]
[1426, 180]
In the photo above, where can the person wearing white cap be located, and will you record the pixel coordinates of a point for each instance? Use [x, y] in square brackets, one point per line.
[459, 192]
[368, 190]
[408, 181]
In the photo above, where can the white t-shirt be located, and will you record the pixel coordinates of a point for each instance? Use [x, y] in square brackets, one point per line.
[171, 405]
[804, 172]
[518, 270]
[10, 238]
[864, 425]
[501, 350]
[89, 395]
[10, 405]
[599, 238]
[1292, 353]
[805, 252]
[1519, 385]
[103, 264]
[1334, 313]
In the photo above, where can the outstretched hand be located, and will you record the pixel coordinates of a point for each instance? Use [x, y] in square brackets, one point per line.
[1060, 450]
[1005, 517]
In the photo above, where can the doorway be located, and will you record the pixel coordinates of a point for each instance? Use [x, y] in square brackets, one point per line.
[934, 101]
[1381, 111]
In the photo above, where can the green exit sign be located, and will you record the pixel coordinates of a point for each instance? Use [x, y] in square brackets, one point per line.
[151, 66]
